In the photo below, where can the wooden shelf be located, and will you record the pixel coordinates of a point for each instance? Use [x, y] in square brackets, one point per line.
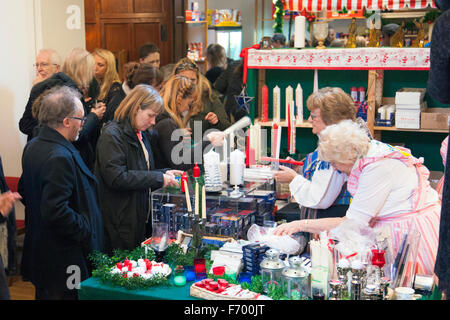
[196, 22]
[381, 128]
[304, 124]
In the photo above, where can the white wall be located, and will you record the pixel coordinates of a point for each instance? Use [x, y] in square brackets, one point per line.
[26, 27]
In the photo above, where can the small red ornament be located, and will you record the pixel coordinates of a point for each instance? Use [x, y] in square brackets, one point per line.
[196, 171]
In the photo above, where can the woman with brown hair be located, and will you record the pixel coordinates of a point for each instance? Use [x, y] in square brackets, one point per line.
[172, 129]
[207, 108]
[125, 169]
[135, 73]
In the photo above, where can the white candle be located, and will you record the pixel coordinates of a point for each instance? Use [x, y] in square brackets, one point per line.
[276, 104]
[316, 80]
[289, 98]
[196, 198]
[188, 199]
[293, 130]
[299, 35]
[299, 103]
[203, 203]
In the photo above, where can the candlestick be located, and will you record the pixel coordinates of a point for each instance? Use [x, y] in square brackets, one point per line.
[188, 200]
[265, 104]
[289, 98]
[276, 104]
[196, 199]
[299, 35]
[299, 103]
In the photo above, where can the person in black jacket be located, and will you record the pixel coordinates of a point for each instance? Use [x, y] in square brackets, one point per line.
[62, 218]
[439, 89]
[136, 74]
[125, 169]
[173, 134]
[7, 199]
[230, 84]
[77, 72]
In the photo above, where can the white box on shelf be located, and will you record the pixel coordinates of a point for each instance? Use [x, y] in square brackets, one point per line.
[407, 118]
[409, 96]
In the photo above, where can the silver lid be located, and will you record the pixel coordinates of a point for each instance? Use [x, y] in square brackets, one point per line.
[272, 260]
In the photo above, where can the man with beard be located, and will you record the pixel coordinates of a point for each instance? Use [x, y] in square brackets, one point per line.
[63, 220]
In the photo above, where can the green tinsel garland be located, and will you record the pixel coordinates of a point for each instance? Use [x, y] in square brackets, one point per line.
[278, 16]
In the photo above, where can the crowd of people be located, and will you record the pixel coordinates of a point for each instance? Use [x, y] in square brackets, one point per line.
[98, 145]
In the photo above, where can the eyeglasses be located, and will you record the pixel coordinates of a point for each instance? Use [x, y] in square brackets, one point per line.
[313, 116]
[43, 64]
[83, 119]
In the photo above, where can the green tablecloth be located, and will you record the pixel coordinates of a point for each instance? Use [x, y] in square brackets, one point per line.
[93, 289]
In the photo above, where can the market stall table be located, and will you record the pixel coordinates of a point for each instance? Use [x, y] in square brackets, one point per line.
[94, 289]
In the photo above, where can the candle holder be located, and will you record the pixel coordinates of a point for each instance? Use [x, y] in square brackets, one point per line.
[160, 239]
[335, 289]
[271, 268]
[295, 279]
[320, 32]
[179, 276]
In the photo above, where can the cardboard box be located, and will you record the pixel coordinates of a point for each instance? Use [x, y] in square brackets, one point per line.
[410, 96]
[435, 118]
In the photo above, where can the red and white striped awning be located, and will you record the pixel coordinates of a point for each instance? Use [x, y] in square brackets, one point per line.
[338, 5]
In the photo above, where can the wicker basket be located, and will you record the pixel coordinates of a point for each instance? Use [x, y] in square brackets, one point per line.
[208, 295]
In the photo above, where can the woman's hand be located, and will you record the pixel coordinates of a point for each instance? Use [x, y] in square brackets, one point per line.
[7, 200]
[288, 228]
[216, 138]
[285, 175]
[169, 181]
[99, 109]
[212, 118]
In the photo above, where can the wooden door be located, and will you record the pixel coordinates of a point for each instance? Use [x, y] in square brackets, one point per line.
[119, 25]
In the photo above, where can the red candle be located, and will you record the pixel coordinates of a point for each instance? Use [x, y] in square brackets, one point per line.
[265, 104]
[196, 171]
[183, 179]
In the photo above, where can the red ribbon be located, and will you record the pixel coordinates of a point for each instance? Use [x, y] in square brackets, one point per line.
[244, 55]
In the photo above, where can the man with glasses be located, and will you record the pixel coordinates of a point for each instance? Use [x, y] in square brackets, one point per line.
[47, 63]
[63, 219]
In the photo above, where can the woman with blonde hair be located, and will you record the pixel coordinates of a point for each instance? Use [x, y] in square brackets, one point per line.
[106, 74]
[77, 72]
[390, 189]
[207, 108]
[320, 188]
[173, 142]
[125, 169]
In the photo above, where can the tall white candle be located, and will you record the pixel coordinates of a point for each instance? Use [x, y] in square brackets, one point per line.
[300, 31]
[203, 216]
[316, 80]
[188, 199]
[293, 131]
[196, 199]
[276, 104]
[289, 98]
[299, 103]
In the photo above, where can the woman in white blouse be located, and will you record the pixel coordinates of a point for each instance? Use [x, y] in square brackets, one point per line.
[390, 188]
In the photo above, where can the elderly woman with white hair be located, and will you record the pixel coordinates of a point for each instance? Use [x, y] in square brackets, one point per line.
[390, 188]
